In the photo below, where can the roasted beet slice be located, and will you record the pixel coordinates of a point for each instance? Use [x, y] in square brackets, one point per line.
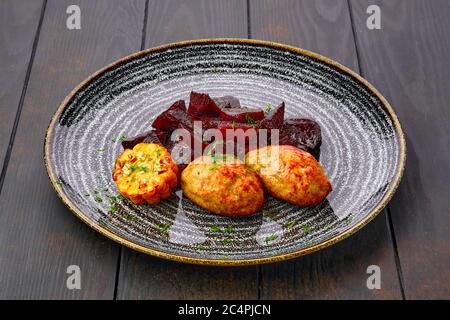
[243, 115]
[303, 133]
[274, 119]
[227, 102]
[152, 136]
[201, 104]
[172, 117]
[184, 152]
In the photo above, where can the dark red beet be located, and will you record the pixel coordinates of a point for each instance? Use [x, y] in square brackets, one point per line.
[274, 119]
[185, 152]
[172, 117]
[152, 136]
[302, 133]
[201, 105]
[243, 115]
[227, 102]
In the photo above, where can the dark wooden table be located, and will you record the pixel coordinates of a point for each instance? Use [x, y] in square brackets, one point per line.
[408, 60]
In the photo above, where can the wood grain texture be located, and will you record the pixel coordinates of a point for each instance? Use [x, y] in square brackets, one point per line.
[143, 277]
[39, 237]
[173, 20]
[338, 272]
[408, 60]
[18, 26]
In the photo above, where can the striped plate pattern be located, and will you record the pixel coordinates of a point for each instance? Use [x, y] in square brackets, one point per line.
[362, 150]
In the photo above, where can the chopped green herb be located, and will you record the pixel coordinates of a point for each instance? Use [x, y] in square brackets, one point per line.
[347, 220]
[101, 149]
[215, 228]
[121, 197]
[213, 146]
[306, 229]
[271, 238]
[200, 246]
[98, 199]
[225, 241]
[87, 195]
[233, 124]
[163, 230]
[112, 208]
[268, 108]
[249, 119]
[122, 137]
[143, 168]
[229, 229]
[125, 215]
[213, 166]
[158, 152]
[133, 167]
[106, 189]
[157, 167]
[291, 224]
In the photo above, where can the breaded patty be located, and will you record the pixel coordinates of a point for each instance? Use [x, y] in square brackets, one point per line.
[146, 173]
[223, 187]
[290, 174]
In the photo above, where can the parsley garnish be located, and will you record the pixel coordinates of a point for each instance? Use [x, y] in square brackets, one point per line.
[215, 228]
[143, 168]
[271, 238]
[229, 229]
[213, 166]
[98, 199]
[225, 240]
[249, 119]
[268, 108]
[200, 246]
[163, 230]
[157, 167]
[306, 229]
[291, 224]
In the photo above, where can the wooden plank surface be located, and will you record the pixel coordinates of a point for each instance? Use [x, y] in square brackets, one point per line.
[39, 237]
[144, 277]
[19, 20]
[338, 272]
[408, 60]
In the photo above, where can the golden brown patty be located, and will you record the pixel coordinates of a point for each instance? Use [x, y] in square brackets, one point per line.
[224, 187]
[146, 173]
[290, 174]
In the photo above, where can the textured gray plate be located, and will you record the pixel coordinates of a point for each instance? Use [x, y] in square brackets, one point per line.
[363, 150]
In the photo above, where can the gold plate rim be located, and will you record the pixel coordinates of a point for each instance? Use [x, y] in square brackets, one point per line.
[229, 262]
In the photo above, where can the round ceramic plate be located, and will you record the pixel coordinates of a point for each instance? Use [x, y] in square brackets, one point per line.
[363, 149]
